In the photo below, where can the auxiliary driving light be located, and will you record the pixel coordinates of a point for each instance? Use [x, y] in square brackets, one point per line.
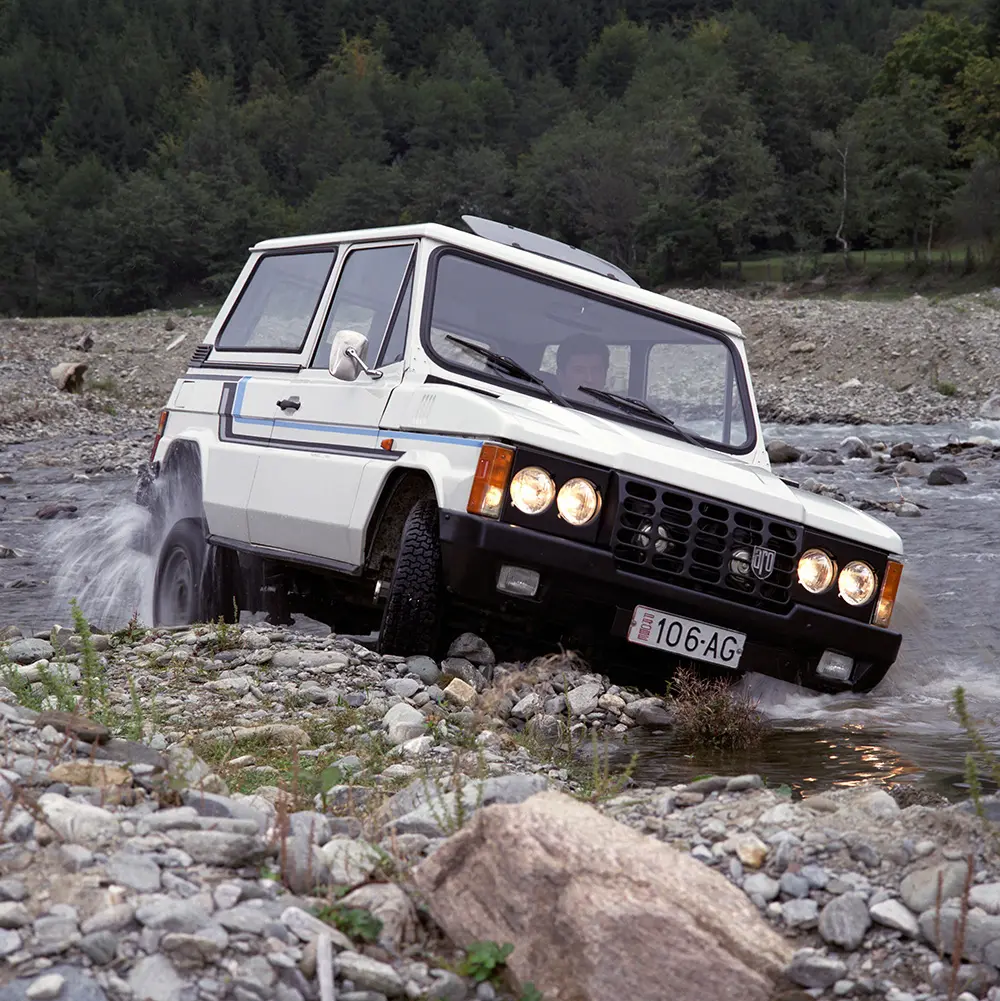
[518, 581]
[578, 501]
[857, 583]
[817, 571]
[532, 490]
[835, 666]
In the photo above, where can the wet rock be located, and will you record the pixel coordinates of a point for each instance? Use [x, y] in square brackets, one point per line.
[52, 512]
[780, 452]
[908, 510]
[946, 476]
[854, 448]
[924, 453]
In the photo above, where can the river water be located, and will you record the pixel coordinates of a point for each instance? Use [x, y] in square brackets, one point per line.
[903, 731]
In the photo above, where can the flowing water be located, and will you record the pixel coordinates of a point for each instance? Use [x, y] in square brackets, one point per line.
[903, 731]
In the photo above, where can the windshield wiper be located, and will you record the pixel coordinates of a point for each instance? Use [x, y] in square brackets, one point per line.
[509, 367]
[640, 406]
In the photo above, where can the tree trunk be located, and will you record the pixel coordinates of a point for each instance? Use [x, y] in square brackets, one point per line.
[843, 204]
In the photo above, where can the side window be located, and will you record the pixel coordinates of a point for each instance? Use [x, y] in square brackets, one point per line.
[395, 343]
[366, 293]
[278, 303]
[696, 386]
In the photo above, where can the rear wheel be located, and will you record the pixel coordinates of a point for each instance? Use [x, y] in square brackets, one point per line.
[194, 581]
[411, 622]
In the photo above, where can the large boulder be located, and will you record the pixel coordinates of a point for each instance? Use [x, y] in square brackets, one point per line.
[596, 910]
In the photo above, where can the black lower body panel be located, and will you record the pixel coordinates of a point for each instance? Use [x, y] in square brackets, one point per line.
[582, 590]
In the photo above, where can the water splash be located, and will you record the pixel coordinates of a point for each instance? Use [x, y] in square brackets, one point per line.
[98, 566]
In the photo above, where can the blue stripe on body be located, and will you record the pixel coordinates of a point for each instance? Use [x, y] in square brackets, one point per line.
[438, 439]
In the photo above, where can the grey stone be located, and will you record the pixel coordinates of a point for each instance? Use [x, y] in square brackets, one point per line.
[545, 728]
[100, 947]
[14, 915]
[844, 921]
[11, 888]
[311, 826]
[986, 897]
[349, 861]
[197, 949]
[982, 933]
[115, 918]
[474, 649]
[303, 866]
[78, 985]
[459, 667]
[447, 986]
[424, 668]
[405, 688]
[138, 872]
[919, 888]
[794, 885]
[583, 699]
[244, 918]
[369, 974]
[207, 804]
[650, 713]
[714, 783]
[402, 723]
[742, 783]
[893, 914]
[46, 987]
[306, 927]
[55, 934]
[29, 651]
[10, 942]
[153, 978]
[166, 914]
[946, 475]
[529, 707]
[75, 857]
[817, 876]
[760, 884]
[779, 451]
[810, 968]
[800, 913]
[219, 848]
[79, 823]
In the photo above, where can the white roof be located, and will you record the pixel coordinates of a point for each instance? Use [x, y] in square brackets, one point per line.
[512, 255]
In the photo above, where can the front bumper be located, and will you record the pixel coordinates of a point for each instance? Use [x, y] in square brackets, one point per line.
[580, 581]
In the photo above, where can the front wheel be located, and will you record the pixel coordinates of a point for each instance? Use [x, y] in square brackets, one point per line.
[194, 581]
[412, 619]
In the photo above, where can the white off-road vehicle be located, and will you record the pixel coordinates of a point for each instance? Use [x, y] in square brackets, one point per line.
[417, 430]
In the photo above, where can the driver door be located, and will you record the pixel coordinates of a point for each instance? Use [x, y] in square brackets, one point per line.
[327, 430]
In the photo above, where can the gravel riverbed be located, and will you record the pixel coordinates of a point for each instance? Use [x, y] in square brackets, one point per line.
[256, 790]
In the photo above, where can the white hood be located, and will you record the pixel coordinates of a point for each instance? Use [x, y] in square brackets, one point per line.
[520, 419]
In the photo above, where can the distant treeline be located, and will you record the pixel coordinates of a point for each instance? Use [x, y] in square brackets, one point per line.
[144, 147]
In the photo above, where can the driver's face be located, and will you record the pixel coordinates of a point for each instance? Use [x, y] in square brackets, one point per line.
[585, 370]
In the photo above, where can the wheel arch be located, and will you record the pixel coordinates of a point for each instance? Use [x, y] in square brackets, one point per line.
[402, 489]
[182, 478]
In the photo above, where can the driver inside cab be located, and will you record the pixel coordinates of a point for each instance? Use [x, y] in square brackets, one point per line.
[582, 360]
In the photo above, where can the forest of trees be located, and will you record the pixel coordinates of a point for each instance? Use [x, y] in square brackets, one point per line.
[144, 147]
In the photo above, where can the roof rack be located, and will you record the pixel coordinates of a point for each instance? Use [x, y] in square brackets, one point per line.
[544, 246]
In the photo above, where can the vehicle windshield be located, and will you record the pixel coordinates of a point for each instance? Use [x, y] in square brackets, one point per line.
[571, 339]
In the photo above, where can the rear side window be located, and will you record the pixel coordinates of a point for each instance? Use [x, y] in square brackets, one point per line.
[278, 303]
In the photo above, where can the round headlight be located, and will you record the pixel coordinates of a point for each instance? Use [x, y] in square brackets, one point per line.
[578, 501]
[532, 490]
[817, 571]
[857, 583]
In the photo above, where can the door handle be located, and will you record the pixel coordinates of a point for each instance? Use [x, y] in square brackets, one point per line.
[292, 403]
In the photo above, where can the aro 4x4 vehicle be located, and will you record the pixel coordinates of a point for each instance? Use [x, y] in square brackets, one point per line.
[417, 429]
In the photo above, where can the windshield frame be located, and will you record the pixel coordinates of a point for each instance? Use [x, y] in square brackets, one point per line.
[593, 407]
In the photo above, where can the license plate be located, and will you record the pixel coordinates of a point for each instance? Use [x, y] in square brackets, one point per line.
[687, 637]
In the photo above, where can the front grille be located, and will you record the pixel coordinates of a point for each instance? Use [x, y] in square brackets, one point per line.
[698, 542]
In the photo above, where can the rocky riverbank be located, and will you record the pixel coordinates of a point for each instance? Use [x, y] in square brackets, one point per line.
[255, 814]
[911, 361]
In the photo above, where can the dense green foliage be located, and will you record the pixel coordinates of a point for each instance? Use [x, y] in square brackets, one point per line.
[143, 149]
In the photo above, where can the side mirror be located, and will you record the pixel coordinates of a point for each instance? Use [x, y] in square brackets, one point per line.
[342, 365]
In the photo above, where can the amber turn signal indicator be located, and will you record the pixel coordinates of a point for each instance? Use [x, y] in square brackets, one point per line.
[160, 428]
[490, 481]
[887, 596]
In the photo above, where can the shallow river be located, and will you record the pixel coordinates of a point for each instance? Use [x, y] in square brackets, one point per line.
[904, 731]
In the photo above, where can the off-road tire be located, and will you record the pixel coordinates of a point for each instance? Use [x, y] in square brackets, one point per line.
[194, 581]
[411, 621]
